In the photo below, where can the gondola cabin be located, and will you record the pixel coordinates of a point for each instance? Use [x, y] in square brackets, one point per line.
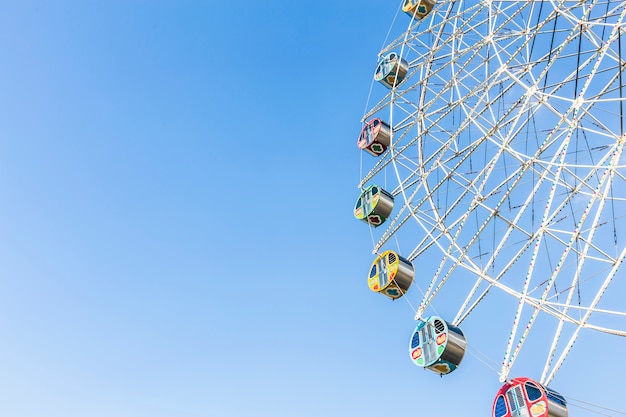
[437, 345]
[375, 137]
[390, 275]
[373, 206]
[391, 70]
[418, 8]
[523, 397]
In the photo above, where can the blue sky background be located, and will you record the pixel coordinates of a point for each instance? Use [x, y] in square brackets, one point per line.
[177, 239]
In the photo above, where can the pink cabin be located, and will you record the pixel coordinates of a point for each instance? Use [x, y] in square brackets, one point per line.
[523, 397]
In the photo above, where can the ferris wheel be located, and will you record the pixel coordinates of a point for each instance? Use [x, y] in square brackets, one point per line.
[493, 142]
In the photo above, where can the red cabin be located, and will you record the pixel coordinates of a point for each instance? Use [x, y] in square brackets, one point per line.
[523, 397]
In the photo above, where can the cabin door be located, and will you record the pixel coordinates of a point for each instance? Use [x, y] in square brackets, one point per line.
[517, 402]
[367, 203]
[427, 335]
[383, 272]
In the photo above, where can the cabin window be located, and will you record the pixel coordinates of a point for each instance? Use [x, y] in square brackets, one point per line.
[556, 397]
[532, 391]
[500, 409]
[439, 326]
[373, 271]
[415, 342]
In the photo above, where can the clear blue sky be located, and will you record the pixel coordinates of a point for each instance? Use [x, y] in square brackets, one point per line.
[176, 231]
